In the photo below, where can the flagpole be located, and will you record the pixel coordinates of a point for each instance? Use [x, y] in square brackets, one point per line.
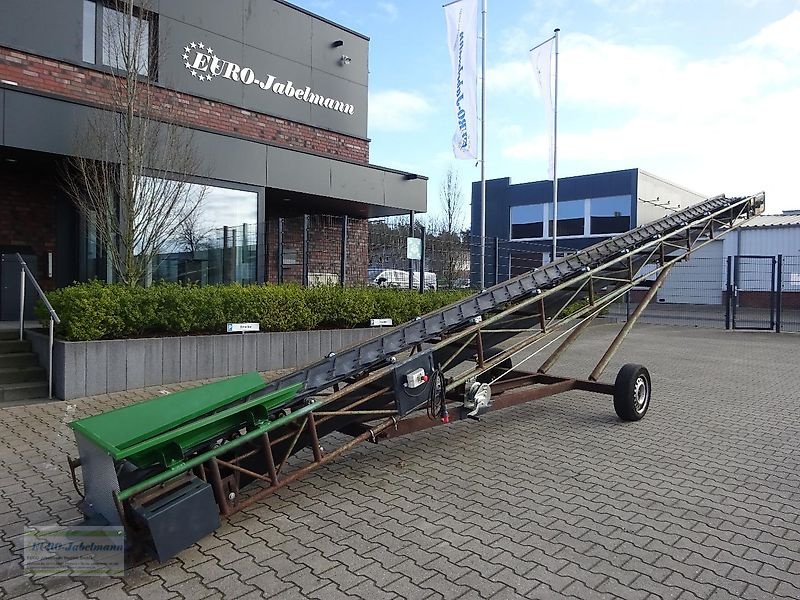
[483, 144]
[555, 155]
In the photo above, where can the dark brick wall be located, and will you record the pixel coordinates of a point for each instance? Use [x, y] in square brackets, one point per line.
[324, 249]
[767, 299]
[88, 85]
[28, 196]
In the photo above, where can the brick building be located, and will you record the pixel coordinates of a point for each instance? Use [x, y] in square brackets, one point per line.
[274, 99]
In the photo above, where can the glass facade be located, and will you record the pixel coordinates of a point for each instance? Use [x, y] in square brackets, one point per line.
[611, 214]
[118, 32]
[89, 31]
[115, 33]
[570, 218]
[576, 218]
[216, 243]
[527, 221]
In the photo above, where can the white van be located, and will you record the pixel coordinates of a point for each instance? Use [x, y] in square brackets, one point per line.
[398, 278]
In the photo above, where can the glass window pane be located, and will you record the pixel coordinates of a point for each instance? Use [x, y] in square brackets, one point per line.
[527, 221]
[216, 243]
[610, 214]
[570, 218]
[125, 42]
[89, 25]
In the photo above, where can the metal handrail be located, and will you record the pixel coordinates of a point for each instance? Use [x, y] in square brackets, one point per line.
[25, 271]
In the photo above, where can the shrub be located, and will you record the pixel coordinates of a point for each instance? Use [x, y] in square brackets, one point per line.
[95, 310]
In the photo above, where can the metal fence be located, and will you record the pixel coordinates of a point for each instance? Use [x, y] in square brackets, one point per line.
[789, 298]
[736, 292]
[451, 259]
[224, 255]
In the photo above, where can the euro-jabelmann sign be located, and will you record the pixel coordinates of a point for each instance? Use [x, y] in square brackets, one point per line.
[202, 62]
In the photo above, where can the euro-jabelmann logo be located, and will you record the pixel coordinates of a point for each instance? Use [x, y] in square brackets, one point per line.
[75, 550]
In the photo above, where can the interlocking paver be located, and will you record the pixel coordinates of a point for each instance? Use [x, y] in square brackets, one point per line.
[555, 498]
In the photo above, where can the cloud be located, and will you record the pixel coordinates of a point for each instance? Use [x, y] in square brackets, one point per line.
[782, 36]
[397, 110]
[722, 124]
[630, 6]
[389, 10]
[510, 75]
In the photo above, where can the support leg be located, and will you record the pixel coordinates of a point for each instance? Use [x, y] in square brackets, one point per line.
[612, 349]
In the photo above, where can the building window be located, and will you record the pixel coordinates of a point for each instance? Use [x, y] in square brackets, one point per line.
[610, 214]
[217, 243]
[112, 39]
[527, 221]
[570, 218]
[89, 31]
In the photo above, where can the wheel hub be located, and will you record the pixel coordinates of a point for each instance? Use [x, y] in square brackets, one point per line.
[641, 395]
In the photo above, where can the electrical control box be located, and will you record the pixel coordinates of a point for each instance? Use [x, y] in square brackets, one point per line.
[416, 378]
[413, 379]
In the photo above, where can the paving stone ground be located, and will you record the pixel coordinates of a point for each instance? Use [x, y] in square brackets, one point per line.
[556, 498]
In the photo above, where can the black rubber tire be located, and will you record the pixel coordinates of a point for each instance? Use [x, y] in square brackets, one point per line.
[632, 392]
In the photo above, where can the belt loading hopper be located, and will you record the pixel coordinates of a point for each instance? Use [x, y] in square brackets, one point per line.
[167, 468]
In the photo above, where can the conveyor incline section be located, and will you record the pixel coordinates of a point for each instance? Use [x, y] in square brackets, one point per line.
[379, 351]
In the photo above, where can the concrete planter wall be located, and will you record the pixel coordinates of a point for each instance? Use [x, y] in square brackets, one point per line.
[89, 368]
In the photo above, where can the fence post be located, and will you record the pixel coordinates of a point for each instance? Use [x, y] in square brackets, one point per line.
[729, 293]
[280, 249]
[779, 291]
[496, 260]
[305, 250]
[410, 262]
[343, 255]
[422, 262]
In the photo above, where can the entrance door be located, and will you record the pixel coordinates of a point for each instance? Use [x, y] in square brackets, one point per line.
[753, 295]
[9, 287]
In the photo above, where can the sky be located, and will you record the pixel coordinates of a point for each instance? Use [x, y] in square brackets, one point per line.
[704, 93]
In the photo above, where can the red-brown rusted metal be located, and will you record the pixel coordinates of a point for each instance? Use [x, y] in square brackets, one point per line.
[371, 434]
[521, 389]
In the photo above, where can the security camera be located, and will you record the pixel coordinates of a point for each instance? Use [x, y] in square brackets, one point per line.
[345, 60]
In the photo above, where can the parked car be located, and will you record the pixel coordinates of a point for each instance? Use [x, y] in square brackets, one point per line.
[398, 278]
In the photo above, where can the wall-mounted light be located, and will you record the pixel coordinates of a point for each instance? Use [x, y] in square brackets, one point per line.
[410, 176]
[345, 60]
[337, 44]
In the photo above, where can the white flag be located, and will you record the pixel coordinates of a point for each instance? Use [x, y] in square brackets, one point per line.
[462, 37]
[541, 59]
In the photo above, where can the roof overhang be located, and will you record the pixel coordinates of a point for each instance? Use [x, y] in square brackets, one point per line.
[384, 191]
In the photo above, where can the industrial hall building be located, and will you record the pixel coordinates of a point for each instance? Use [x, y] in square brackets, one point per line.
[273, 100]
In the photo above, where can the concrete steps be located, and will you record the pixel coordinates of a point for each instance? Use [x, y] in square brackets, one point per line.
[22, 380]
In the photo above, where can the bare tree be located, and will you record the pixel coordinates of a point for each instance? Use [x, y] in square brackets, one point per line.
[194, 233]
[451, 202]
[450, 253]
[131, 171]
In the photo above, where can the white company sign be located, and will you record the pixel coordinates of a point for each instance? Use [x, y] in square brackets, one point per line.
[201, 61]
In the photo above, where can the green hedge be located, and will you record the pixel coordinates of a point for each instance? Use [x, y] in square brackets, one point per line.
[95, 310]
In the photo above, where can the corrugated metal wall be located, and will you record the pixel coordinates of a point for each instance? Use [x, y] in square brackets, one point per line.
[770, 241]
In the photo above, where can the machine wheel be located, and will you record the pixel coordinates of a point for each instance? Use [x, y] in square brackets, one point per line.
[632, 390]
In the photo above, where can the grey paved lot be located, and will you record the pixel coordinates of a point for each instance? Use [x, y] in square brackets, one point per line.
[552, 499]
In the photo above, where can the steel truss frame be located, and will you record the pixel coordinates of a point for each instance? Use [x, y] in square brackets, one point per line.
[351, 393]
